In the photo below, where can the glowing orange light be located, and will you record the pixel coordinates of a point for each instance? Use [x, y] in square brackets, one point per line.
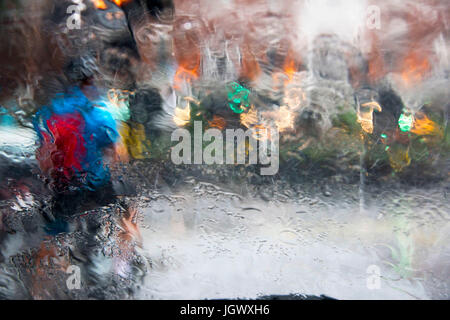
[182, 116]
[414, 68]
[289, 68]
[121, 2]
[424, 126]
[99, 4]
[184, 75]
[217, 122]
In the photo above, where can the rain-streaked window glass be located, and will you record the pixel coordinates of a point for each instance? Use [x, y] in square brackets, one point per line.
[224, 149]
